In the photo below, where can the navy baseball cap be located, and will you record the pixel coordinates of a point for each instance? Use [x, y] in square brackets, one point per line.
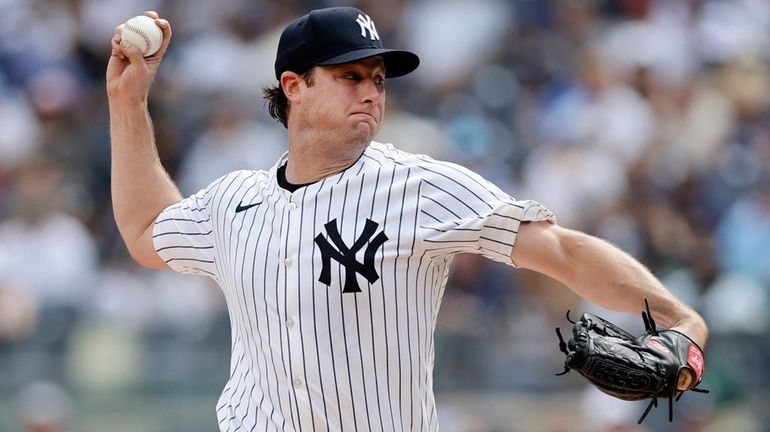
[333, 36]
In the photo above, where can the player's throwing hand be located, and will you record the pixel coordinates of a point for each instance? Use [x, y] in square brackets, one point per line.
[129, 74]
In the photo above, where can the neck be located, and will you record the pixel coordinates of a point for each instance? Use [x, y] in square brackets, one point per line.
[313, 157]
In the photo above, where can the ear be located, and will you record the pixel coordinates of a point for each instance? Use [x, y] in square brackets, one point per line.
[292, 85]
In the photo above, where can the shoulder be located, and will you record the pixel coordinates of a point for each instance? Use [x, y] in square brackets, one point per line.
[425, 166]
[238, 179]
[232, 186]
[427, 169]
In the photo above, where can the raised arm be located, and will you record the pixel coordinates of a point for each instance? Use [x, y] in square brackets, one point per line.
[602, 274]
[141, 188]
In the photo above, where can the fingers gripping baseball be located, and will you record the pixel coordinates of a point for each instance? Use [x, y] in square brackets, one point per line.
[143, 26]
[129, 72]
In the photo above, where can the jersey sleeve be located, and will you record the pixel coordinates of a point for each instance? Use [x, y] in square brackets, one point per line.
[183, 234]
[460, 211]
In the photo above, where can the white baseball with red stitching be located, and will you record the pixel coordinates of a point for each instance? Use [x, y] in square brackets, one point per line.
[142, 32]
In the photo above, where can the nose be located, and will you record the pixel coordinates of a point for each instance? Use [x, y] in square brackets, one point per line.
[370, 91]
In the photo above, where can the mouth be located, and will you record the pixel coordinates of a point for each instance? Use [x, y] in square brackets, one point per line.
[366, 114]
[364, 117]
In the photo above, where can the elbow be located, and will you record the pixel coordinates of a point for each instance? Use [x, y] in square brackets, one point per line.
[140, 257]
[142, 250]
[148, 259]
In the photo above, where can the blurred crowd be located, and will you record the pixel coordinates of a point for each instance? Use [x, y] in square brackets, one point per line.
[645, 122]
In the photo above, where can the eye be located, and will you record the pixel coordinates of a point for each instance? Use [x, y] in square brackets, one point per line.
[351, 76]
[379, 81]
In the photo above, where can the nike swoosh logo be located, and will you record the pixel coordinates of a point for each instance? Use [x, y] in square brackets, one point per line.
[242, 207]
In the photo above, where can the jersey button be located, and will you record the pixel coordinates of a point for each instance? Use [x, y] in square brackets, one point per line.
[290, 323]
[292, 206]
[297, 383]
[288, 261]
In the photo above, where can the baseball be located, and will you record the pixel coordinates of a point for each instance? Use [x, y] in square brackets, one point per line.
[142, 32]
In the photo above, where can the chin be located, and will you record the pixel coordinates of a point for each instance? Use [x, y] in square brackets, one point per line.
[364, 132]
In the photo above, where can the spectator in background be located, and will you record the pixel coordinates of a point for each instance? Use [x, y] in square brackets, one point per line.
[20, 131]
[743, 236]
[18, 312]
[43, 407]
[48, 262]
[226, 144]
[46, 250]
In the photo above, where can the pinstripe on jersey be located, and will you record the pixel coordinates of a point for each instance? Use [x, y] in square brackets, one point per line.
[306, 356]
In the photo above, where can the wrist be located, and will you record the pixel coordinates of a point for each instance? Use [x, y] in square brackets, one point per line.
[695, 329]
[127, 104]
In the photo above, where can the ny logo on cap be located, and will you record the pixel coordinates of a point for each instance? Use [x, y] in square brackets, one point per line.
[366, 23]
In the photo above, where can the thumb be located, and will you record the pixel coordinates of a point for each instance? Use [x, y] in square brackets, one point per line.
[684, 380]
[133, 53]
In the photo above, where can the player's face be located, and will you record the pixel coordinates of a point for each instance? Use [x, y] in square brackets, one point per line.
[347, 99]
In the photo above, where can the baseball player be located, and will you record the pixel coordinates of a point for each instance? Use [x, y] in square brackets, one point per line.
[334, 261]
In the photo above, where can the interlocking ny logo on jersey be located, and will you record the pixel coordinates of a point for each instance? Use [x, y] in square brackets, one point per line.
[366, 23]
[346, 256]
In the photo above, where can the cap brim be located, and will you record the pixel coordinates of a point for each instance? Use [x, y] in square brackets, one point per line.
[397, 62]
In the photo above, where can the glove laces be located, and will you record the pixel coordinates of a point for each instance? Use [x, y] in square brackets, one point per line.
[651, 329]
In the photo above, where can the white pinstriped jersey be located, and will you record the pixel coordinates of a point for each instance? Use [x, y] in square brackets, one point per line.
[333, 290]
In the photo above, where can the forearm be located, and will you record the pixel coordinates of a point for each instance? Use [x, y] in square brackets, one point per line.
[141, 188]
[609, 277]
[602, 274]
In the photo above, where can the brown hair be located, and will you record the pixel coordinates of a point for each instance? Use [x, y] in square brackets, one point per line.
[277, 104]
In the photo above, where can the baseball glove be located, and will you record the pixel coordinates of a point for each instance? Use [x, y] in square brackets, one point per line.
[629, 367]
